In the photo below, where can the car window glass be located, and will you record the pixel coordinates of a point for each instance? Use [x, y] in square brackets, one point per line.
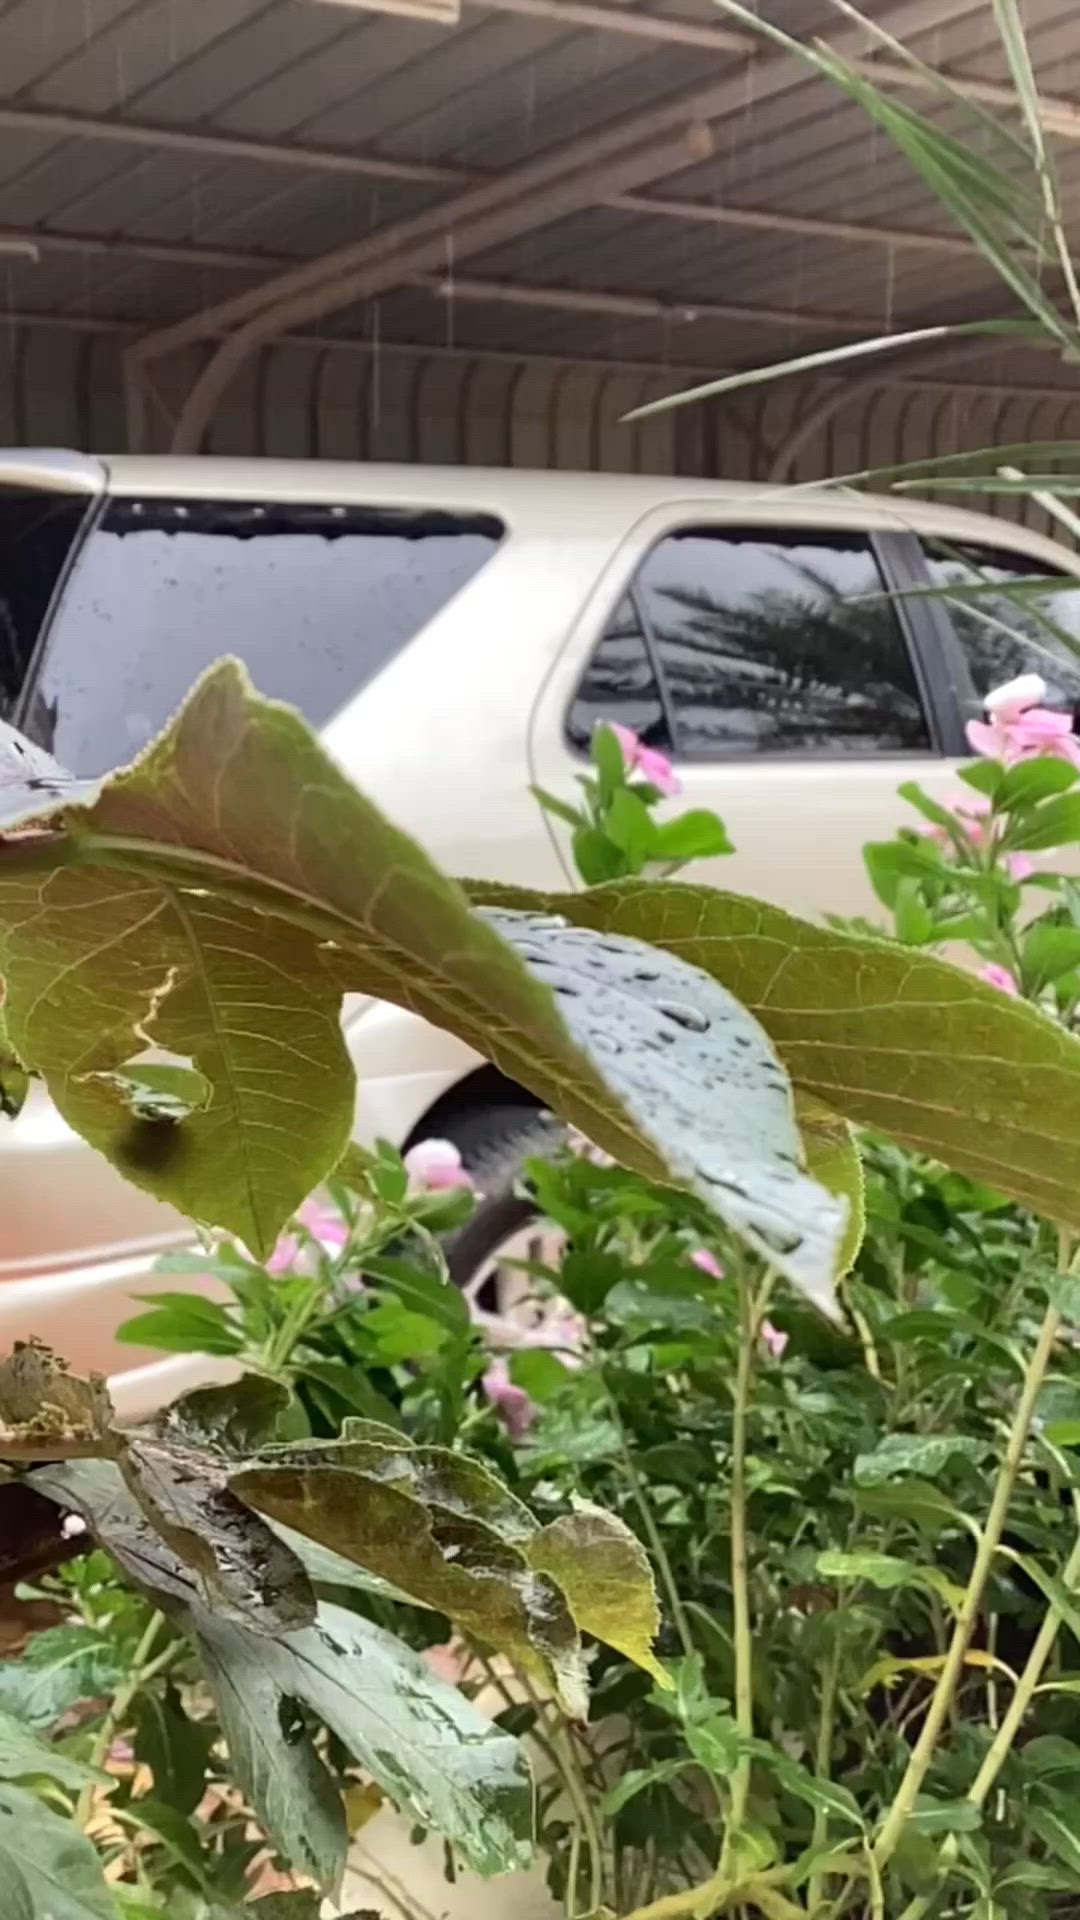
[314, 599]
[37, 532]
[1011, 633]
[619, 684]
[778, 642]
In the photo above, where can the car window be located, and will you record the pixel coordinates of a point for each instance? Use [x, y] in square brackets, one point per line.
[778, 641]
[620, 683]
[314, 599]
[37, 533]
[1003, 635]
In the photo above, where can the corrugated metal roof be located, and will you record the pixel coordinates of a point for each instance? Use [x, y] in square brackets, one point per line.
[239, 128]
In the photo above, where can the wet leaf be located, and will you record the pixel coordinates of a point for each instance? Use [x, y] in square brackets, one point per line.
[271, 1752]
[701, 1081]
[604, 1571]
[48, 1412]
[886, 1037]
[430, 1751]
[242, 1568]
[95, 1489]
[24, 1757]
[48, 1869]
[232, 1419]
[169, 931]
[442, 1557]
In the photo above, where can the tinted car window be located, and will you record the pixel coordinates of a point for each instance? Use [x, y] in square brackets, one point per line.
[37, 533]
[315, 600]
[779, 642]
[620, 684]
[1003, 635]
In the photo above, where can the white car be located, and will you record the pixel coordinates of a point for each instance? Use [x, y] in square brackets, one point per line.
[455, 634]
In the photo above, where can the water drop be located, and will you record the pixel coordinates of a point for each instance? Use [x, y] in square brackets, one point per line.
[684, 1016]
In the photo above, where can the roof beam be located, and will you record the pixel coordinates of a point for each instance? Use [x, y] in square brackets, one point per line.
[619, 157]
[634, 306]
[771, 220]
[221, 146]
[633, 22]
[35, 241]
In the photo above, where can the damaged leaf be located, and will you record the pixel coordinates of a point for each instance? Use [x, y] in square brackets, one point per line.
[46, 1411]
[604, 1571]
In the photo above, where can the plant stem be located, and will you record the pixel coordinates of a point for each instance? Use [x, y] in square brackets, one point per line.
[652, 1532]
[751, 1313]
[587, 1825]
[923, 1752]
[1041, 1650]
[142, 1669]
[830, 1679]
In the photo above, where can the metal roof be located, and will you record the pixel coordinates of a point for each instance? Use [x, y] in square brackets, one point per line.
[623, 183]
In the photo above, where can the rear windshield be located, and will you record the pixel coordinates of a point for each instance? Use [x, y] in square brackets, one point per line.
[37, 533]
[314, 599]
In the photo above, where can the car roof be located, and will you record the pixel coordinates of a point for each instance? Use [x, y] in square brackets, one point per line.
[549, 500]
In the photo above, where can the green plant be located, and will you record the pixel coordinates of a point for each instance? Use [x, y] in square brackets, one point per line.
[173, 967]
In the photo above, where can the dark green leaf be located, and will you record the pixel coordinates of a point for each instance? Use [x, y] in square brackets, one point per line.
[421, 1292]
[432, 1752]
[1048, 953]
[60, 1667]
[899, 1454]
[596, 857]
[182, 1323]
[24, 1757]
[175, 1748]
[48, 1869]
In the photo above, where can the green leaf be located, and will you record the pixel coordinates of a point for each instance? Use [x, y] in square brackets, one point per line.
[608, 759]
[716, 1745]
[24, 1757]
[701, 1080]
[242, 1568]
[904, 1453]
[48, 1869]
[832, 1158]
[271, 1753]
[1055, 823]
[596, 857]
[175, 1748]
[1035, 780]
[636, 1780]
[1057, 1832]
[986, 776]
[631, 827]
[604, 1571]
[46, 1410]
[1061, 1598]
[179, 919]
[889, 1038]
[442, 1551]
[421, 1292]
[1048, 953]
[60, 1667]
[559, 808]
[182, 1323]
[944, 1816]
[231, 1419]
[694, 835]
[429, 1750]
[880, 1569]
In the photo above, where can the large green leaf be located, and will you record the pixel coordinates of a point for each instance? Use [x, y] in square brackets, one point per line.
[701, 1081]
[217, 900]
[48, 1869]
[888, 1038]
[430, 1751]
[604, 1572]
[448, 1559]
[271, 1752]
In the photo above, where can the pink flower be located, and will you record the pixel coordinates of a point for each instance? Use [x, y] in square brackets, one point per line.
[773, 1339]
[998, 977]
[1011, 737]
[707, 1262]
[285, 1254]
[435, 1166]
[654, 767]
[1019, 866]
[516, 1411]
[324, 1224]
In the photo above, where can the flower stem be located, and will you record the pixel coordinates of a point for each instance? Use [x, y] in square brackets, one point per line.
[923, 1752]
[652, 1532]
[142, 1669]
[830, 1680]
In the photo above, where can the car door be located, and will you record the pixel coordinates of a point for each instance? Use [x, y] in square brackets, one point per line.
[793, 693]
